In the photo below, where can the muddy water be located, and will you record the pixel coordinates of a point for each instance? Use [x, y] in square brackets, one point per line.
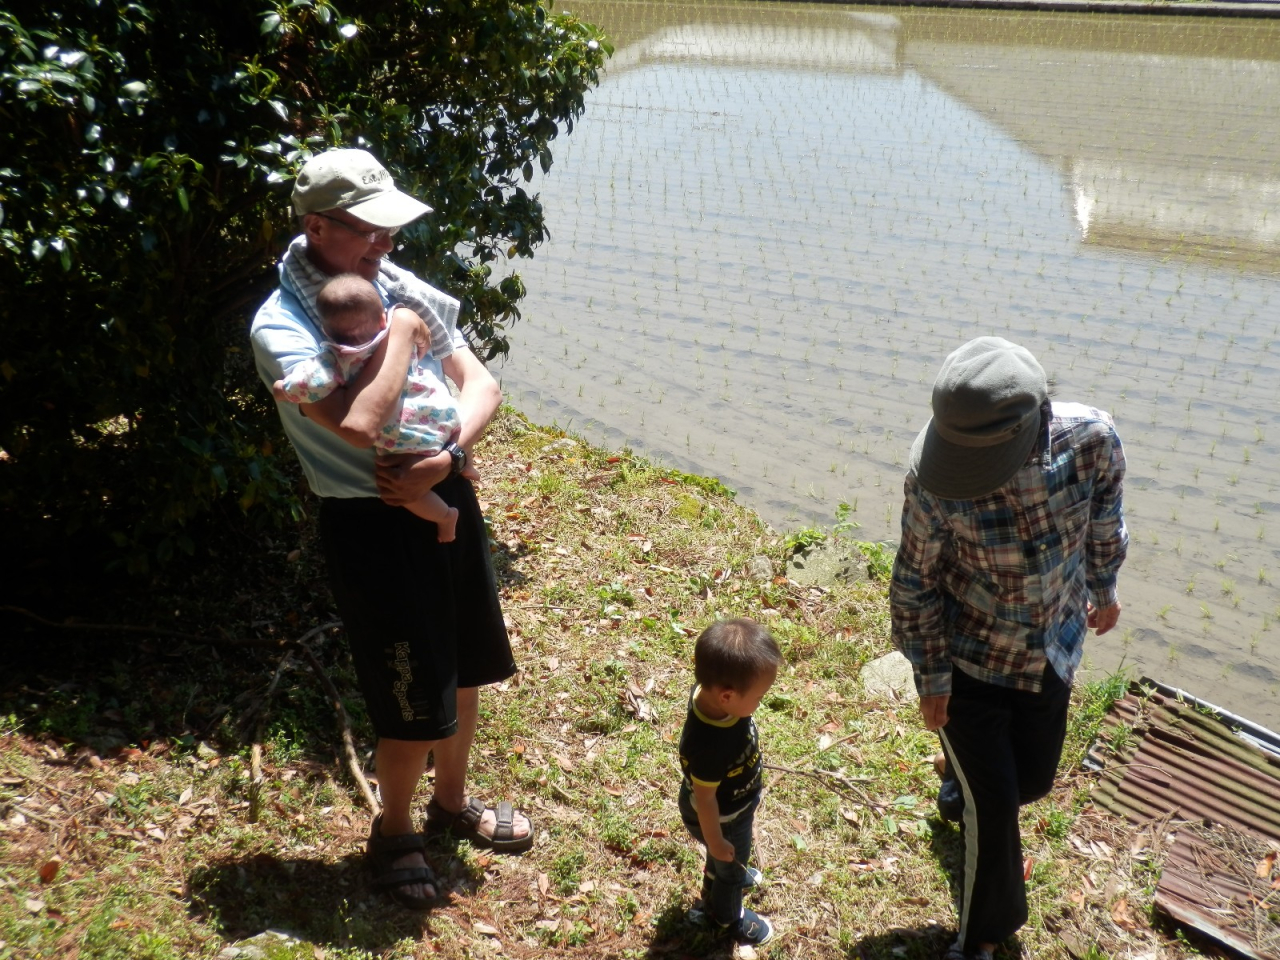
[776, 220]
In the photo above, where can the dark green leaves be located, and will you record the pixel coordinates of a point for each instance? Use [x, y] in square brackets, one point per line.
[149, 150]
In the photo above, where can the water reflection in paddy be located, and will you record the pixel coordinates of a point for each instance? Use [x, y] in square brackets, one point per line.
[775, 221]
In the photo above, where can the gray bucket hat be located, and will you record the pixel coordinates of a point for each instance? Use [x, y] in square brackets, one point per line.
[986, 417]
[352, 180]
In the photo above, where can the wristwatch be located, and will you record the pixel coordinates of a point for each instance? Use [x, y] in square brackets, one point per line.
[459, 458]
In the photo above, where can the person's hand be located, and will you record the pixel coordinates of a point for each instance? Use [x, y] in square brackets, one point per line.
[406, 323]
[721, 850]
[470, 471]
[934, 711]
[277, 391]
[405, 478]
[1102, 619]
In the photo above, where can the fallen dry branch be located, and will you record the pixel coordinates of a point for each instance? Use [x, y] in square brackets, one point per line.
[149, 631]
[835, 782]
[348, 742]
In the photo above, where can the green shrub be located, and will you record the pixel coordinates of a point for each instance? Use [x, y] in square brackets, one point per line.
[148, 153]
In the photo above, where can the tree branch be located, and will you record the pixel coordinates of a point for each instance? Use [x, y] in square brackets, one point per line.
[155, 631]
[834, 782]
[348, 743]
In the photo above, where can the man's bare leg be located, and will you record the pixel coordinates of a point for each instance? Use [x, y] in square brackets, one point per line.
[400, 764]
[451, 766]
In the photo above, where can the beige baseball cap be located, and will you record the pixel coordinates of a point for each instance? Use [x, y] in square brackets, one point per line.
[352, 180]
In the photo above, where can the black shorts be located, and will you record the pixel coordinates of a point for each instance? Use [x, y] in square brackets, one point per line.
[422, 617]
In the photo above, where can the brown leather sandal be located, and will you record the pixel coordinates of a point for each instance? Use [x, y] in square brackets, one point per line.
[382, 853]
[465, 824]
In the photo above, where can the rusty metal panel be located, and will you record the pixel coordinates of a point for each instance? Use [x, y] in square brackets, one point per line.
[1163, 758]
[1210, 883]
[1169, 758]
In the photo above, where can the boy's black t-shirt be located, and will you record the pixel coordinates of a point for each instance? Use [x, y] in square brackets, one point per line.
[720, 753]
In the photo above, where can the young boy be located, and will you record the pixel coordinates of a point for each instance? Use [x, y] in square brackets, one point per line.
[734, 662]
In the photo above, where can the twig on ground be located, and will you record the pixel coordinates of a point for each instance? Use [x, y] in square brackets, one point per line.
[835, 782]
[149, 631]
[833, 744]
[257, 710]
[255, 776]
[52, 825]
[13, 771]
[348, 743]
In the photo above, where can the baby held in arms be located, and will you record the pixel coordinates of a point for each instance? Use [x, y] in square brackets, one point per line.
[355, 323]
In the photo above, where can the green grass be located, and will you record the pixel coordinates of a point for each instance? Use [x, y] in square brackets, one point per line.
[609, 566]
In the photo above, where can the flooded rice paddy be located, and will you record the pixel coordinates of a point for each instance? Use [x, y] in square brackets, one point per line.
[775, 220]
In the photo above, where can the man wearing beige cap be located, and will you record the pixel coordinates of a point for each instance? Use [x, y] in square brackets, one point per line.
[422, 617]
[1012, 536]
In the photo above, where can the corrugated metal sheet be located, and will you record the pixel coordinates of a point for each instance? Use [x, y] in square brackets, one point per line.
[1162, 758]
[1167, 758]
[1219, 895]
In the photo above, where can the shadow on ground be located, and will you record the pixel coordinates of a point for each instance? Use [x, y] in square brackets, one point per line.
[327, 903]
[675, 938]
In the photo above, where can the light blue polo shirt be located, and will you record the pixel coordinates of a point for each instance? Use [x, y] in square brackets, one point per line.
[282, 335]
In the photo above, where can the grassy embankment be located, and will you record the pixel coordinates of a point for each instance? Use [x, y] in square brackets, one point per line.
[129, 826]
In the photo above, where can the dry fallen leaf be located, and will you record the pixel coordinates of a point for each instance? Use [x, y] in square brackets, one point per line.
[50, 870]
[1120, 914]
[544, 884]
[35, 906]
[1264, 866]
[487, 929]
[1027, 865]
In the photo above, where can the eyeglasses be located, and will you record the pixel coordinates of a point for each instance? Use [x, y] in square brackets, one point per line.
[372, 236]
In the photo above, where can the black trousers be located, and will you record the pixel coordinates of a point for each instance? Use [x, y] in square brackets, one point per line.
[1003, 746]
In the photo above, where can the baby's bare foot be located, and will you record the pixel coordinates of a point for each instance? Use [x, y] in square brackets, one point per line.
[447, 529]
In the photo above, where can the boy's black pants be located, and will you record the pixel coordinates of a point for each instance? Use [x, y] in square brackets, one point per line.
[1003, 746]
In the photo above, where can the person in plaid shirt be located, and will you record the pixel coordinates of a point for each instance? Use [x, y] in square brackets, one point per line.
[1012, 537]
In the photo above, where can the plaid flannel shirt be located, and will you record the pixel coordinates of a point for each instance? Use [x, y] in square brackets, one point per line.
[996, 586]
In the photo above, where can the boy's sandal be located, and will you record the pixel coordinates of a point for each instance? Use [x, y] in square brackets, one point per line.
[957, 952]
[465, 824]
[382, 853]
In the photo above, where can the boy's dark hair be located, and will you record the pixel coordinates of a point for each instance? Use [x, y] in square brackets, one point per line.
[732, 654]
